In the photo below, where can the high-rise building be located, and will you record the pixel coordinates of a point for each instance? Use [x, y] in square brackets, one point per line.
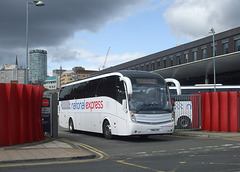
[37, 66]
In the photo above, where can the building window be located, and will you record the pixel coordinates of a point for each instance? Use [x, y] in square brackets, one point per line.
[147, 67]
[178, 60]
[225, 48]
[171, 61]
[194, 54]
[153, 66]
[158, 64]
[164, 63]
[186, 57]
[237, 45]
[204, 52]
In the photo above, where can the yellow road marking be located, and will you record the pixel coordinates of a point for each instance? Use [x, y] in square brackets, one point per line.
[182, 162]
[90, 148]
[102, 156]
[135, 165]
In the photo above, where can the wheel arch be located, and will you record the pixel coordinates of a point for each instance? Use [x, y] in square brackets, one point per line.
[73, 123]
[184, 118]
[105, 120]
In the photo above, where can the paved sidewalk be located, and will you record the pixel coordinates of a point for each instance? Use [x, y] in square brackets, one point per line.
[48, 150]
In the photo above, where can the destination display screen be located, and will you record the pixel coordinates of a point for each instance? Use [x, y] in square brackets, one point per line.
[146, 81]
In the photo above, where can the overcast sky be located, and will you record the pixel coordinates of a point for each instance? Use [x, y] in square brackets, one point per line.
[80, 32]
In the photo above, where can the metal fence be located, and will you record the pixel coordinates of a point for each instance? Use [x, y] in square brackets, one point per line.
[187, 110]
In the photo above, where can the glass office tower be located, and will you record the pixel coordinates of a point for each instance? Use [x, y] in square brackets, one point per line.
[37, 66]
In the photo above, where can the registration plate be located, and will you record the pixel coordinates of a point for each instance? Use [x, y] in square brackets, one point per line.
[157, 129]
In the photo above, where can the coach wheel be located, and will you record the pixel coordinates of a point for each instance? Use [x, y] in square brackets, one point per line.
[107, 133]
[184, 122]
[71, 125]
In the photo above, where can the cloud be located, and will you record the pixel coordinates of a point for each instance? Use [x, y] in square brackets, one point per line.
[54, 26]
[65, 53]
[113, 59]
[54, 23]
[194, 18]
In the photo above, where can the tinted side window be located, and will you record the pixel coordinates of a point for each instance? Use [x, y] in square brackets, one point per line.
[108, 87]
[65, 93]
[112, 87]
[77, 92]
[90, 88]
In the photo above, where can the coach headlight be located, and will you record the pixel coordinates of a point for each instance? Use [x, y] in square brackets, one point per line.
[173, 115]
[132, 116]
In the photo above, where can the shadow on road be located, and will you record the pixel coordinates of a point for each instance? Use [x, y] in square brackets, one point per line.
[134, 139]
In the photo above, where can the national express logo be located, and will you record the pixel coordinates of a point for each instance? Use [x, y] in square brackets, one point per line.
[87, 105]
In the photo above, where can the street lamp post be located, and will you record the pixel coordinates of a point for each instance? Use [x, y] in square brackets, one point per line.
[36, 3]
[214, 65]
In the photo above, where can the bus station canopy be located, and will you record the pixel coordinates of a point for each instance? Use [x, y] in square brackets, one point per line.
[201, 68]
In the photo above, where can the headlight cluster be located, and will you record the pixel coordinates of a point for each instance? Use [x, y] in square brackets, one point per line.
[173, 115]
[133, 118]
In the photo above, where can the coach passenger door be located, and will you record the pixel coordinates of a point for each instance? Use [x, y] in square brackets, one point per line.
[122, 111]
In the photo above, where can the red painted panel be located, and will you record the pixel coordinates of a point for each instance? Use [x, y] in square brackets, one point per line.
[202, 110]
[28, 108]
[195, 111]
[5, 139]
[215, 111]
[207, 112]
[21, 114]
[224, 109]
[233, 123]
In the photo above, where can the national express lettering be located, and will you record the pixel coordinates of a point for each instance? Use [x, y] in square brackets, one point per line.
[94, 105]
[87, 105]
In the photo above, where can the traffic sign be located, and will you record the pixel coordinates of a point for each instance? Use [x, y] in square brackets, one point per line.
[46, 102]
